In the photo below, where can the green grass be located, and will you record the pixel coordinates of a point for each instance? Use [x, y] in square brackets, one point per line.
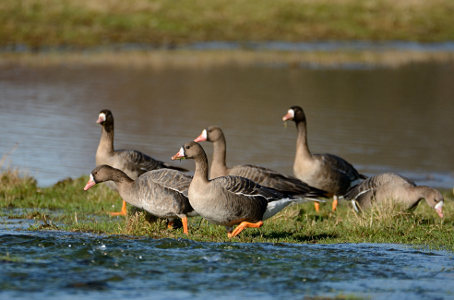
[86, 23]
[65, 206]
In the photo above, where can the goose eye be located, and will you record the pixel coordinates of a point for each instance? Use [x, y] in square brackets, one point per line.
[186, 147]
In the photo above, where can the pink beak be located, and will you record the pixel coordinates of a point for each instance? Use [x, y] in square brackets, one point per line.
[100, 120]
[89, 184]
[288, 116]
[439, 212]
[200, 138]
[179, 155]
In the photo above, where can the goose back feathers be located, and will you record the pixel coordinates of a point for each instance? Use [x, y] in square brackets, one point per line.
[266, 177]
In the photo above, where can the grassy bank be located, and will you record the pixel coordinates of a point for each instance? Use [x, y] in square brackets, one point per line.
[208, 59]
[87, 23]
[65, 206]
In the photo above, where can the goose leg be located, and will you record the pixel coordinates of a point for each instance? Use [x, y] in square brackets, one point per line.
[122, 212]
[242, 226]
[317, 206]
[184, 220]
[335, 202]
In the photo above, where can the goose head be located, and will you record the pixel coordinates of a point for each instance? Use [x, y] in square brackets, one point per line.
[210, 134]
[105, 117]
[189, 150]
[295, 113]
[435, 200]
[100, 174]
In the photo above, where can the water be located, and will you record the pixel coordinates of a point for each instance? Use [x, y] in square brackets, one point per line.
[379, 119]
[60, 265]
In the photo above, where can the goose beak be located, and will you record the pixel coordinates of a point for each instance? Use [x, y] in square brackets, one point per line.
[101, 118]
[202, 137]
[439, 209]
[179, 155]
[289, 116]
[91, 182]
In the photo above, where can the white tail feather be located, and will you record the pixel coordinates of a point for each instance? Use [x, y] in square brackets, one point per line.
[276, 206]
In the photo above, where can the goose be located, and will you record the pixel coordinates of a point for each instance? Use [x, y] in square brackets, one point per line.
[230, 200]
[395, 188]
[160, 192]
[132, 162]
[263, 176]
[324, 171]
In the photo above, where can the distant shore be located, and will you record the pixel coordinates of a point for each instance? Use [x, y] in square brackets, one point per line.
[37, 24]
[190, 58]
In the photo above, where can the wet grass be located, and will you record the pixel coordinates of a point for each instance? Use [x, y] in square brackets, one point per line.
[86, 23]
[65, 206]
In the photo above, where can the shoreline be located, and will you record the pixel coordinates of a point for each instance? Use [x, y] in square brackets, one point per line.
[192, 58]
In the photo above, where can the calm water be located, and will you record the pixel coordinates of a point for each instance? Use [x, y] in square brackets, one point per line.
[379, 119]
[60, 265]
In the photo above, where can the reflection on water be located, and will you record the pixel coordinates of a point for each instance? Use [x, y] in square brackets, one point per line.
[378, 119]
[57, 265]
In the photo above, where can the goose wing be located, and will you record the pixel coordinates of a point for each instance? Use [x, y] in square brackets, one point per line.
[341, 165]
[171, 179]
[371, 184]
[141, 163]
[281, 182]
[245, 187]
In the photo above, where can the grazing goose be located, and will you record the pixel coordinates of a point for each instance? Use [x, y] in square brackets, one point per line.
[324, 171]
[132, 162]
[263, 176]
[159, 192]
[229, 200]
[395, 188]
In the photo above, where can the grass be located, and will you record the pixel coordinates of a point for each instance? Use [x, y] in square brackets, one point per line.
[39, 24]
[65, 206]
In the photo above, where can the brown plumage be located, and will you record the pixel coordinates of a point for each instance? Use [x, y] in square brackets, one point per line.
[159, 192]
[229, 200]
[324, 171]
[395, 188]
[132, 162]
[263, 176]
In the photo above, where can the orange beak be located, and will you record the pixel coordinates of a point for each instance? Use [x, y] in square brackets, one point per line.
[202, 137]
[287, 117]
[91, 182]
[179, 155]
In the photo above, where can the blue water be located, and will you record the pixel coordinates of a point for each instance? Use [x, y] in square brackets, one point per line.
[62, 265]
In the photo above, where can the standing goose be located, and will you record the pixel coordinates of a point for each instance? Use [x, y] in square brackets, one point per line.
[395, 188]
[132, 162]
[263, 176]
[159, 192]
[229, 200]
[324, 171]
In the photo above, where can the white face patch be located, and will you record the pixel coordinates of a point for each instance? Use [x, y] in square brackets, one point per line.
[101, 117]
[291, 113]
[439, 205]
[91, 178]
[181, 152]
[204, 134]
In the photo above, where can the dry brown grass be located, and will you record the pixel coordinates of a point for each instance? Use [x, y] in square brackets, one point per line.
[198, 59]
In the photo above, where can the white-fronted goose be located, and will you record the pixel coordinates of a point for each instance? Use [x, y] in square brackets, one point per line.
[159, 192]
[229, 200]
[327, 172]
[132, 162]
[263, 176]
[395, 188]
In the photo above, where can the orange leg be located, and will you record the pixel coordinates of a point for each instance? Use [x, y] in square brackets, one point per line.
[335, 202]
[317, 206]
[170, 224]
[242, 226]
[122, 212]
[184, 220]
